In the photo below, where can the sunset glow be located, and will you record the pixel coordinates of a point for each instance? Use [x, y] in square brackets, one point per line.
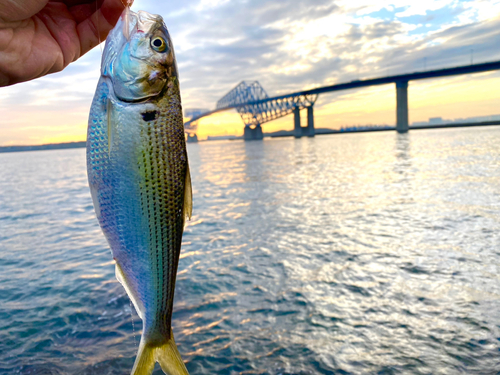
[286, 51]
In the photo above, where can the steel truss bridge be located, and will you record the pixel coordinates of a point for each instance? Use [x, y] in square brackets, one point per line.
[256, 107]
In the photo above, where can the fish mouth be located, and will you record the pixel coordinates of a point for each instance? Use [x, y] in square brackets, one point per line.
[142, 21]
[147, 22]
[134, 101]
[138, 98]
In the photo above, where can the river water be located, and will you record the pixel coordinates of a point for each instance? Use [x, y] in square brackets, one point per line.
[371, 253]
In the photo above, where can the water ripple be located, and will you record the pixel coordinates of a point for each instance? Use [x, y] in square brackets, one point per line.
[350, 254]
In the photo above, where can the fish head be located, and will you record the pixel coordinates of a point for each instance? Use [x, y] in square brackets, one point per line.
[139, 57]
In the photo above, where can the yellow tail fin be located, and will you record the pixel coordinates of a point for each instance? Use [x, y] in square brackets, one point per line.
[169, 358]
[166, 355]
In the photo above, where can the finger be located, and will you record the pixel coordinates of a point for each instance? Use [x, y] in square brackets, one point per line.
[81, 12]
[17, 10]
[61, 28]
[95, 29]
[71, 3]
[83, 9]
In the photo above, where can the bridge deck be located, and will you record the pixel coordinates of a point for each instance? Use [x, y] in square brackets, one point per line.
[467, 69]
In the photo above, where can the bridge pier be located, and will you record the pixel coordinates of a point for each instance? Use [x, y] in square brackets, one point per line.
[254, 134]
[192, 138]
[310, 121]
[298, 130]
[402, 106]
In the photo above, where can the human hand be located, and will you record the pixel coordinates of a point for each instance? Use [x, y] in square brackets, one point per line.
[38, 37]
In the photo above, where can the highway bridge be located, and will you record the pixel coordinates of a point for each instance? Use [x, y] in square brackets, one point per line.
[256, 107]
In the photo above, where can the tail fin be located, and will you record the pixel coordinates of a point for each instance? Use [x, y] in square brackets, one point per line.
[166, 355]
[169, 358]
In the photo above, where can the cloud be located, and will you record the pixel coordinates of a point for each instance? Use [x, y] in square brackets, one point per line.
[293, 45]
[286, 45]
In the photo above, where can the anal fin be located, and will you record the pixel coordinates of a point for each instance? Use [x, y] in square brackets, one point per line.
[120, 276]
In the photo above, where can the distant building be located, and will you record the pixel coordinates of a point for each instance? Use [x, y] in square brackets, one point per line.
[222, 137]
[435, 120]
[440, 120]
[194, 112]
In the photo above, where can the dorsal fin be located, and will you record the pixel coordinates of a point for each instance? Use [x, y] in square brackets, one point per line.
[188, 195]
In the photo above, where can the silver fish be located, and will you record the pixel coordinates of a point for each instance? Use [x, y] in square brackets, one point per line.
[139, 176]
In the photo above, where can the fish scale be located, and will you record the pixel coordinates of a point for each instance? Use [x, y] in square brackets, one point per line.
[139, 176]
[163, 168]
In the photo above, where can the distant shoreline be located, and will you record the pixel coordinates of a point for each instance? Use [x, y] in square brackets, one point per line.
[390, 128]
[51, 146]
[70, 145]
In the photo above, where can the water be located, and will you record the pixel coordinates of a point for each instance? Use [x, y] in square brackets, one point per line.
[345, 254]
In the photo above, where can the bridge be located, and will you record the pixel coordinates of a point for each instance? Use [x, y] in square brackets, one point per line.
[256, 107]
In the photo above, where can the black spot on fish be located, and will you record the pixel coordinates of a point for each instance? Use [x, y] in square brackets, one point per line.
[150, 115]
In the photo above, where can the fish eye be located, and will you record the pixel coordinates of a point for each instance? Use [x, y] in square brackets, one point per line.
[158, 44]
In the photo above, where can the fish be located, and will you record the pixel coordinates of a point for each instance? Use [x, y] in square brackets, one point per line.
[139, 178]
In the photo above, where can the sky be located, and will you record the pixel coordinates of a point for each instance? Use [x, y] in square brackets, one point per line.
[290, 45]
